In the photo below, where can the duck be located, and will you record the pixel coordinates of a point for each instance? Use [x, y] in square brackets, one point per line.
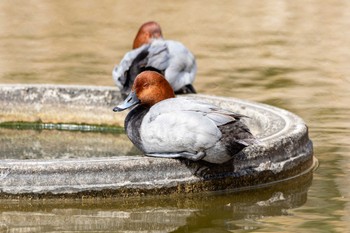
[162, 125]
[151, 51]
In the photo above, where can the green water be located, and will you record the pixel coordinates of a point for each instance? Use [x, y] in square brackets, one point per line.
[61, 126]
[291, 54]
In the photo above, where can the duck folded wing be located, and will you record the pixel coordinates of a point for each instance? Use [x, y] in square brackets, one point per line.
[158, 55]
[220, 119]
[182, 67]
[152, 56]
[217, 115]
[178, 131]
[119, 71]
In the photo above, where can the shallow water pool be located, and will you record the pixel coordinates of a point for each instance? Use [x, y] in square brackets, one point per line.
[53, 141]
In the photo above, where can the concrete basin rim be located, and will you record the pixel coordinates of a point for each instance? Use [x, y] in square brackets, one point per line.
[103, 171]
[276, 111]
[285, 115]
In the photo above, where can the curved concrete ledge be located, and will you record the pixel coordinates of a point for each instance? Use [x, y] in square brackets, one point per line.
[285, 150]
[166, 213]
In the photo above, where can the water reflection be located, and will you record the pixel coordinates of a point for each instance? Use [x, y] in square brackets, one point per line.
[242, 211]
[212, 211]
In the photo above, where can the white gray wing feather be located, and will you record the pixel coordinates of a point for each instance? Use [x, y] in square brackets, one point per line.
[171, 57]
[157, 57]
[124, 65]
[182, 67]
[217, 115]
[177, 124]
[178, 131]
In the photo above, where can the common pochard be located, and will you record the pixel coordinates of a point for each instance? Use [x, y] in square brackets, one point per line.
[161, 125]
[152, 52]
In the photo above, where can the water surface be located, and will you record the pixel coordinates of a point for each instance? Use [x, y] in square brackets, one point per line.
[291, 54]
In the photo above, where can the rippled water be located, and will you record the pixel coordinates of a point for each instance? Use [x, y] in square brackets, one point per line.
[291, 54]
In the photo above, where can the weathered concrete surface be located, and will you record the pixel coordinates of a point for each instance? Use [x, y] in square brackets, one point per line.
[59, 104]
[285, 150]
